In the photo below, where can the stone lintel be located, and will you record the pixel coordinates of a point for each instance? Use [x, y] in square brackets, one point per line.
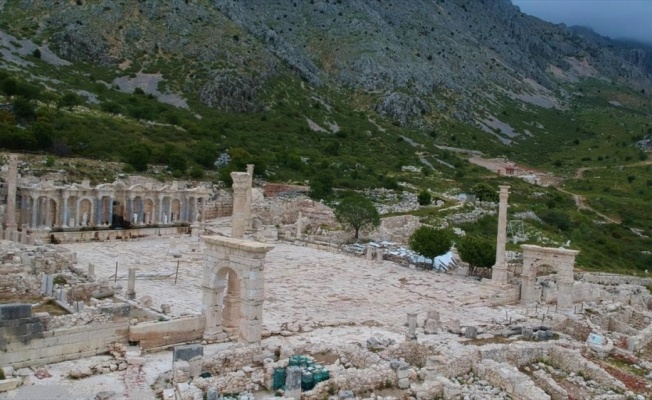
[550, 250]
[238, 244]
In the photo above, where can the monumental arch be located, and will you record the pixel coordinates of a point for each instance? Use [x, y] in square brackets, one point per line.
[561, 260]
[233, 288]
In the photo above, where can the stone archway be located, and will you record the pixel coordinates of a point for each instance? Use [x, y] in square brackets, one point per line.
[560, 260]
[233, 288]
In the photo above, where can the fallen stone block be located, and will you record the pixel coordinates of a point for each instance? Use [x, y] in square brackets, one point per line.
[9, 384]
[136, 360]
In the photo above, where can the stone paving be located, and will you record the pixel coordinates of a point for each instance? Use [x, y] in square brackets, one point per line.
[303, 286]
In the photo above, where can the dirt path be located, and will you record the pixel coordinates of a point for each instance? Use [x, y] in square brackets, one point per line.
[581, 203]
[579, 174]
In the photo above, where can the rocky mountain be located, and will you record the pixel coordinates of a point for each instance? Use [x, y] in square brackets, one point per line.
[417, 61]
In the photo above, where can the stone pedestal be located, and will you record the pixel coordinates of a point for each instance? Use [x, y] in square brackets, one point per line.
[412, 326]
[433, 323]
[293, 383]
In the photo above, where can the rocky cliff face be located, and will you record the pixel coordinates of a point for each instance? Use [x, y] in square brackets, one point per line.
[420, 53]
[414, 58]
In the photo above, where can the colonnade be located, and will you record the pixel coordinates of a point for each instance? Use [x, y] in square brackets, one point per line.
[61, 208]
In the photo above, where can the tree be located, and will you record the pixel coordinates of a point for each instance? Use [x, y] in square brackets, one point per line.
[138, 155]
[357, 212]
[321, 186]
[431, 242]
[477, 252]
[424, 198]
[485, 192]
[69, 100]
[24, 109]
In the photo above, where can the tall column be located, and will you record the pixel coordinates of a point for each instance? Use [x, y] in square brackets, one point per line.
[34, 210]
[78, 219]
[65, 211]
[111, 200]
[203, 210]
[98, 219]
[247, 209]
[299, 225]
[499, 270]
[130, 212]
[10, 219]
[160, 210]
[240, 183]
[48, 209]
[195, 210]
[170, 209]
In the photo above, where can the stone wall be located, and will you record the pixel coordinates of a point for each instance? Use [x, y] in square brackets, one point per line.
[109, 234]
[26, 341]
[509, 295]
[221, 206]
[515, 383]
[157, 335]
[396, 229]
[612, 279]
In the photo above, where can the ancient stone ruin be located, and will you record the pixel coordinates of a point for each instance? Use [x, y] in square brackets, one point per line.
[267, 302]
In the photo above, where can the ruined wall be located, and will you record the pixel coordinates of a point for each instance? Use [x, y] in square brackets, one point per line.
[109, 234]
[221, 206]
[396, 229]
[155, 335]
[25, 340]
[612, 279]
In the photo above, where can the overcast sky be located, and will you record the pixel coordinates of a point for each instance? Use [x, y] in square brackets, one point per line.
[614, 18]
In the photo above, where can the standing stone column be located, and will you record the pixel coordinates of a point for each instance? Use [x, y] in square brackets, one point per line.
[131, 284]
[48, 208]
[159, 218]
[34, 210]
[240, 183]
[247, 208]
[379, 255]
[412, 326]
[499, 270]
[10, 219]
[111, 200]
[64, 223]
[299, 225]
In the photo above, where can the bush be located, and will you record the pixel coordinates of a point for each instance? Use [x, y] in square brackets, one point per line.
[556, 218]
[197, 172]
[485, 192]
[424, 198]
[138, 156]
[477, 252]
[321, 186]
[431, 242]
[37, 53]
